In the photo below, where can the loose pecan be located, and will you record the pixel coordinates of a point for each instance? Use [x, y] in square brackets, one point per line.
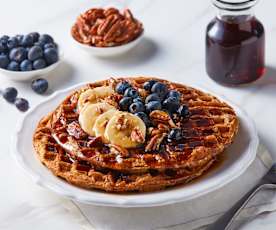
[118, 150]
[137, 136]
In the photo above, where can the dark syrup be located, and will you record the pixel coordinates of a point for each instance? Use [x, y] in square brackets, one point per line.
[235, 50]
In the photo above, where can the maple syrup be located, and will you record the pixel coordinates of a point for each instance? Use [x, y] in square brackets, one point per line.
[235, 44]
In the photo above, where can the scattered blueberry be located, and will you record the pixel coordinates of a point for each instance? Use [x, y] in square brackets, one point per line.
[39, 64]
[35, 36]
[10, 94]
[125, 102]
[34, 53]
[21, 104]
[19, 38]
[50, 45]
[27, 40]
[137, 99]
[12, 43]
[121, 87]
[171, 104]
[136, 107]
[13, 66]
[147, 85]
[152, 97]
[26, 65]
[46, 38]
[153, 105]
[183, 111]
[18, 54]
[144, 117]
[159, 88]
[130, 92]
[174, 93]
[51, 55]
[175, 135]
[4, 61]
[40, 85]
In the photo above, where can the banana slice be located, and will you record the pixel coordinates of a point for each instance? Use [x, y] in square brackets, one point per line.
[89, 114]
[126, 130]
[101, 123]
[94, 95]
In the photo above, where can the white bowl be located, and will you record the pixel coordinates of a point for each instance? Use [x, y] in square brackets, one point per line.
[109, 51]
[237, 159]
[30, 75]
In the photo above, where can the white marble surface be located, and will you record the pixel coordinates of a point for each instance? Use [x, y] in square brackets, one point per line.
[173, 48]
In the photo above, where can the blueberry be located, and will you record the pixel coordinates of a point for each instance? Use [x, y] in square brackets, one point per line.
[34, 53]
[130, 92]
[10, 94]
[18, 54]
[144, 117]
[137, 99]
[174, 93]
[125, 102]
[12, 43]
[46, 38]
[26, 65]
[40, 44]
[13, 66]
[3, 47]
[50, 45]
[183, 111]
[171, 104]
[159, 88]
[4, 38]
[121, 87]
[175, 135]
[40, 85]
[35, 36]
[4, 61]
[152, 97]
[27, 40]
[147, 85]
[39, 64]
[153, 105]
[136, 107]
[51, 55]
[21, 104]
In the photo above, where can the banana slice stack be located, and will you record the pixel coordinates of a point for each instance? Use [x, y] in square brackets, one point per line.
[100, 119]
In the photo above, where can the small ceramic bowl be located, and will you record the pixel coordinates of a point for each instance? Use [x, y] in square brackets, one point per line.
[29, 75]
[109, 51]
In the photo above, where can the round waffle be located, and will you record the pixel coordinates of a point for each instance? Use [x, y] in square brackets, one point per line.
[85, 161]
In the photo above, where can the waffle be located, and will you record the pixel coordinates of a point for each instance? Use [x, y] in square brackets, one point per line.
[210, 128]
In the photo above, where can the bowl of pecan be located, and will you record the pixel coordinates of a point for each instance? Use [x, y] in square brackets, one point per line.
[107, 32]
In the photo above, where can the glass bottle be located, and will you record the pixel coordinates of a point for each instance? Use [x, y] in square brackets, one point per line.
[235, 43]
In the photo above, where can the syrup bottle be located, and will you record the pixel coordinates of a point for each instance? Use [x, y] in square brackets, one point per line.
[235, 43]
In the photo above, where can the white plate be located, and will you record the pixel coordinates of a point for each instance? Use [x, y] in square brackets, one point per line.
[109, 51]
[238, 157]
[30, 75]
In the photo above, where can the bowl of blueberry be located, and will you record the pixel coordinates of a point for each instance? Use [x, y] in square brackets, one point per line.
[24, 57]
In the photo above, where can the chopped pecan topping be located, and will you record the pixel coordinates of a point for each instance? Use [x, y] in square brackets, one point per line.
[75, 130]
[137, 136]
[94, 142]
[155, 142]
[122, 123]
[105, 28]
[118, 150]
[158, 116]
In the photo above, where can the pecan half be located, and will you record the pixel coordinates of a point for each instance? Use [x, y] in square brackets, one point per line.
[158, 116]
[155, 142]
[75, 130]
[137, 136]
[118, 150]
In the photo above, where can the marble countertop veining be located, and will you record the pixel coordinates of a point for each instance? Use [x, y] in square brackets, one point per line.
[173, 48]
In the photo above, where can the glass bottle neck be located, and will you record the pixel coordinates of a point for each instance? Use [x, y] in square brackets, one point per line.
[227, 15]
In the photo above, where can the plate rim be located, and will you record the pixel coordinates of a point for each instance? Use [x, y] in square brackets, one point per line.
[123, 201]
